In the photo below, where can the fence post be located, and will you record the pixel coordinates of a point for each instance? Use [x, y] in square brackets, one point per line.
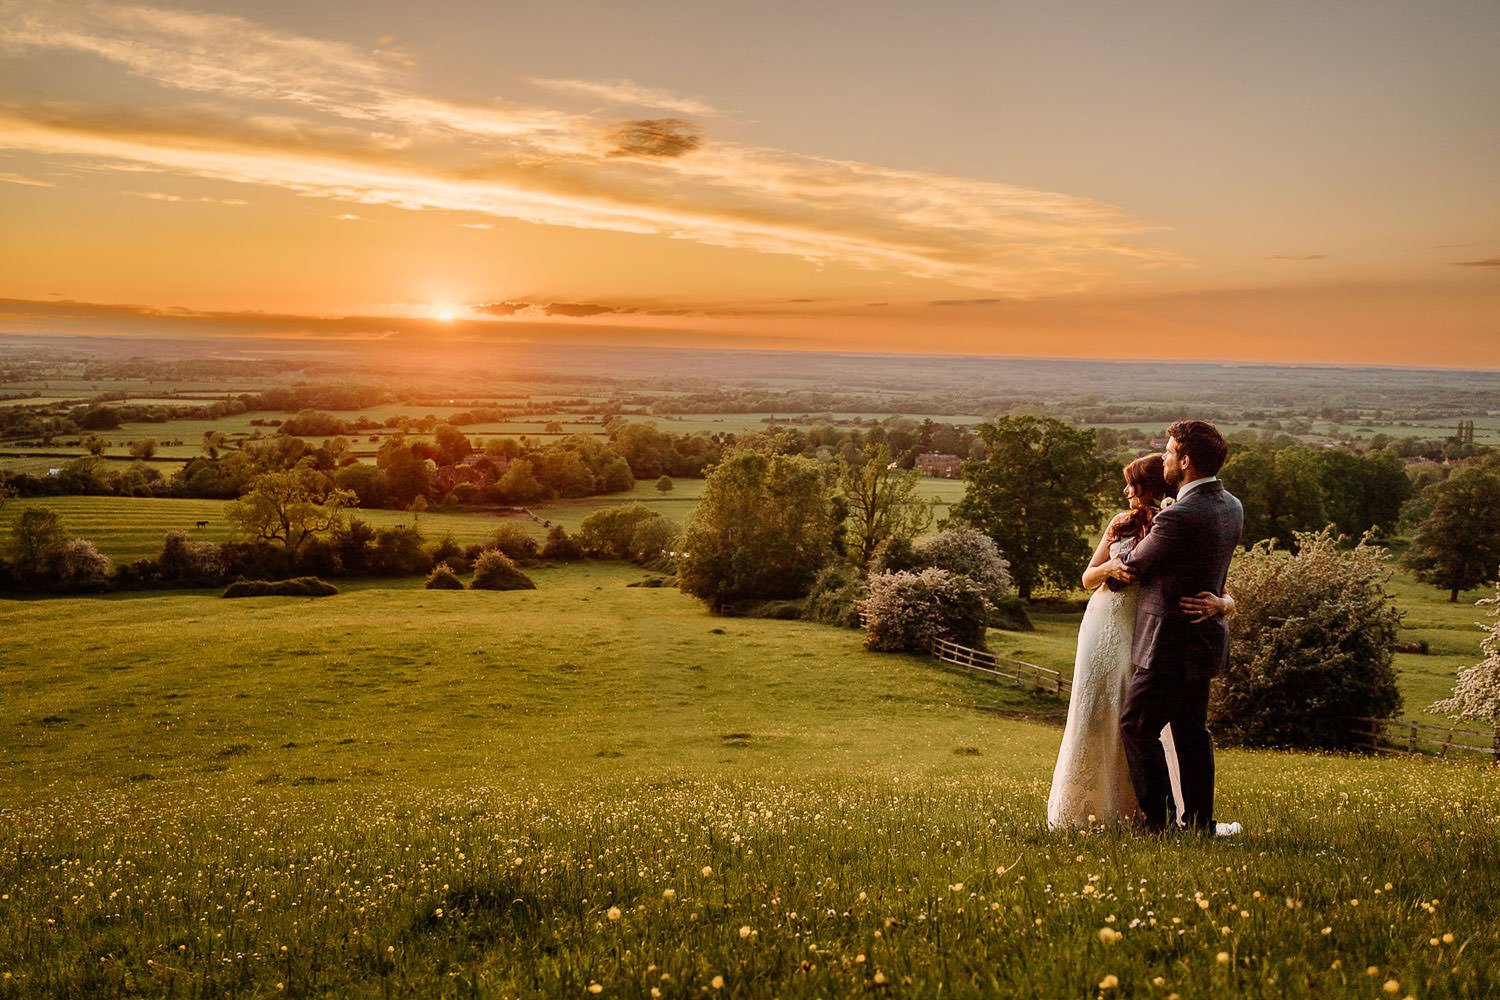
[1495, 754]
[1413, 743]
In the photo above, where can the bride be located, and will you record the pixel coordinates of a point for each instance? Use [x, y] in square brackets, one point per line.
[1091, 783]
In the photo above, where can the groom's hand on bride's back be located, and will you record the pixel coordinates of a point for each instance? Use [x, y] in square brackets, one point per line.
[1201, 606]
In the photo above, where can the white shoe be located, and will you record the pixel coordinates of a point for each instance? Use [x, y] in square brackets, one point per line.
[1228, 829]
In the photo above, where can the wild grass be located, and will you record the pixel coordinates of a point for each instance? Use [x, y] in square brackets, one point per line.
[595, 788]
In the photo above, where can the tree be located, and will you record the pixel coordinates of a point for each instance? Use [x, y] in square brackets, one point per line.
[1036, 492]
[1311, 650]
[882, 503]
[518, 484]
[664, 484]
[36, 536]
[143, 449]
[1457, 543]
[763, 529]
[1476, 693]
[289, 508]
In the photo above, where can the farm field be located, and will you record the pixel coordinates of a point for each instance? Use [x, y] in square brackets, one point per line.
[397, 791]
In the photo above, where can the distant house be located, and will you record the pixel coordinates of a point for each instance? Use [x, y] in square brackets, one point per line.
[943, 466]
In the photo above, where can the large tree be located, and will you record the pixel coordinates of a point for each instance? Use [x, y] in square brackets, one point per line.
[289, 508]
[882, 502]
[1457, 543]
[1036, 492]
[763, 529]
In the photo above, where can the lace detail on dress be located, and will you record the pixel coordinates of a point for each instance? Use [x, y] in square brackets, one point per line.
[1091, 778]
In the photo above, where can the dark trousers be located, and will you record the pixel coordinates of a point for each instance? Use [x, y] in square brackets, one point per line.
[1154, 701]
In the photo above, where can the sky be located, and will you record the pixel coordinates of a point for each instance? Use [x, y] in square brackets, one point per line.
[1292, 182]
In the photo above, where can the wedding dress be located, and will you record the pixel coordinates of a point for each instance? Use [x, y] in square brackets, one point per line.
[1091, 783]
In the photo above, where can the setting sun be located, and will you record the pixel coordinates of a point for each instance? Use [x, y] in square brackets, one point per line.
[445, 315]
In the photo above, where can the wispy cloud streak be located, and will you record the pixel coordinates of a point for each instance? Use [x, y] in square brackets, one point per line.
[629, 93]
[325, 119]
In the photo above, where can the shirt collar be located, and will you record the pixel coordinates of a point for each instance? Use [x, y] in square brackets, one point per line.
[1186, 488]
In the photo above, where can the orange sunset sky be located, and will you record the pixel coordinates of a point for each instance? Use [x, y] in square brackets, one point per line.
[1284, 181]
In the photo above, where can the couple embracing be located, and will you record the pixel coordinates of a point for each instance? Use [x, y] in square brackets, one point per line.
[1137, 746]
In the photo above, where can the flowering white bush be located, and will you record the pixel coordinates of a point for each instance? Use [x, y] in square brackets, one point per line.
[908, 611]
[79, 566]
[1310, 645]
[968, 552]
[1476, 694]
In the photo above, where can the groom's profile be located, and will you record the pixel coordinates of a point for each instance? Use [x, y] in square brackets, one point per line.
[1186, 553]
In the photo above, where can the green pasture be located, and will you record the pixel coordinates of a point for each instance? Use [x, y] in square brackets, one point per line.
[129, 528]
[591, 789]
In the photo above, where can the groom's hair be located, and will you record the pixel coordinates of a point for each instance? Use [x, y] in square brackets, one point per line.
[1203, 444]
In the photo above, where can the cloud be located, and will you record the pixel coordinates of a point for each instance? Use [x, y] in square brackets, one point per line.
[324, 119]
[476, 225]
[655, 137]
[628, 92]
[1487, 262]
[163, 196]
[347, 217]
[1311, 256]
[27, 181]
[501, 308]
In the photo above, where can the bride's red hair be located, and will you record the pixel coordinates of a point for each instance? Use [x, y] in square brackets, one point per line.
[1147, 477]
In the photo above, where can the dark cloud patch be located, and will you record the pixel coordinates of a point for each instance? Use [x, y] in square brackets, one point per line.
[1487, 262]
[657, 137]
[501, 308]
[1309, 256]
[965, 302]
[583, 309]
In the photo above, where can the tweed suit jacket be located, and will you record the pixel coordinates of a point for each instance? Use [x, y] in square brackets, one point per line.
[1186, 552]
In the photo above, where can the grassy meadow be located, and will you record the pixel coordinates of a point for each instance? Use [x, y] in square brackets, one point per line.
[597, 789]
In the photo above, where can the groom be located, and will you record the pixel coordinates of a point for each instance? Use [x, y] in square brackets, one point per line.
[1186, 552]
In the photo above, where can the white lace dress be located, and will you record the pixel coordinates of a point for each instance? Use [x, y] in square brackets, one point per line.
[1091, 783]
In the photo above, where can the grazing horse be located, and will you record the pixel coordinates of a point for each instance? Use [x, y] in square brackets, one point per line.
[202, 524]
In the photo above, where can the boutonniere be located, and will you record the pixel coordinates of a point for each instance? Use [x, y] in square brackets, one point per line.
[1167, 502]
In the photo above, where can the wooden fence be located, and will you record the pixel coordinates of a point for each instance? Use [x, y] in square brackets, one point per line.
[1417, 737]
[1021, 673]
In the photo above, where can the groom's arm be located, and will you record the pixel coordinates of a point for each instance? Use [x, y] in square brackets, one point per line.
[1165, 537]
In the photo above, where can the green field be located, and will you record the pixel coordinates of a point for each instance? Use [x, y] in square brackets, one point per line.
[402, 792]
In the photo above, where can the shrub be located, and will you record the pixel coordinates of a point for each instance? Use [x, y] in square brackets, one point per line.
[652, 543]
[513, 540]
[80, 568]
[607, 533]
[302, 586]
[835, 596]
[560, 547]
[447, 550]
[185, 561]
[1311, 646]
[971, 553]
[495, 571]
[399, 551]
[664, 484]
[894, 555]
[909, 611]
[1476, 693]
[442, 577]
